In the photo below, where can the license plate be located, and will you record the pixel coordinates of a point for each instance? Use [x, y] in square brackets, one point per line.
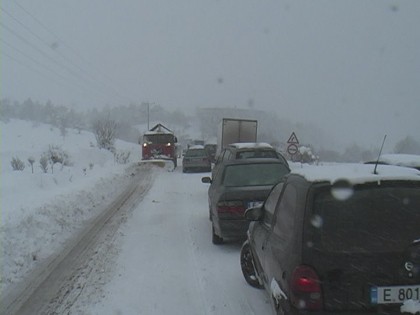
[394, 294]
[253, 204]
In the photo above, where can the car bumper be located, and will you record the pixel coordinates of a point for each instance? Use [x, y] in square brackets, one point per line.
[395, 310]
[232, 228]
[196, 166]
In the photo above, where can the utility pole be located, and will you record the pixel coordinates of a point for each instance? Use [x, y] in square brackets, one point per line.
[148, 115]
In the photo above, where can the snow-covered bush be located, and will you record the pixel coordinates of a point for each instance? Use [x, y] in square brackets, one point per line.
[17, 164]
[105, 131]
[43, 163]
[56, 154]
[122, 157]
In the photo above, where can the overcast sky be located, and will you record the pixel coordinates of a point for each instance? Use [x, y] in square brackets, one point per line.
[350, 67]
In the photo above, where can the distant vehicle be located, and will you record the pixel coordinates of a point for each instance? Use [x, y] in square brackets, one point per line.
[337, 240]
[159, 143]
[407, 160]
[211, 151]
[198, 142]
[196, 159]
[238, 185]
[248, 150]
[231, 130]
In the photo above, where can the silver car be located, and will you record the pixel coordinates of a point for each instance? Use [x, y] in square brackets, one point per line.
[196, 159]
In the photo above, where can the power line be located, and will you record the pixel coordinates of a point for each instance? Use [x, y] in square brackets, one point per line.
[47, 44]
[43, 74]
[71, 49]
[23, 39]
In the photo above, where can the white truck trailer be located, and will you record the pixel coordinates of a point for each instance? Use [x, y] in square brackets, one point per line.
[232, 130]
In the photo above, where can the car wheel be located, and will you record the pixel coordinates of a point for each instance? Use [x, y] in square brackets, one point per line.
[184, 170]
[248, 267]
[216, 239]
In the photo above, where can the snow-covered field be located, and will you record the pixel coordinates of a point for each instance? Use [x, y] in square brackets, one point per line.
[40, 211]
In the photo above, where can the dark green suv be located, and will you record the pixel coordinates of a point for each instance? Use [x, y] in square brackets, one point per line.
[338, 240]
[247, 150]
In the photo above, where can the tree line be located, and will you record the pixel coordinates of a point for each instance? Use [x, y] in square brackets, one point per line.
[125, 122]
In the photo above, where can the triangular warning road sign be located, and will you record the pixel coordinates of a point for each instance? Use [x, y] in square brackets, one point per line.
[293, 139]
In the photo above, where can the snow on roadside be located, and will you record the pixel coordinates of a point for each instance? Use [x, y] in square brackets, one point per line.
[40, 211]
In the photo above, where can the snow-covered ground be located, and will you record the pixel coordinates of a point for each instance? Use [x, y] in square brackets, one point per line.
[40, 211]
[165, 262]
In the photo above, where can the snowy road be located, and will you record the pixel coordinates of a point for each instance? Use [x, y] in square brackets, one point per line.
[167, 263]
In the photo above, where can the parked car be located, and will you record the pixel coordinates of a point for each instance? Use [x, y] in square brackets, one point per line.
[211, 151]
[238, 185]
[196, 159]
[247, 150]
[337, 240]
[407, 160]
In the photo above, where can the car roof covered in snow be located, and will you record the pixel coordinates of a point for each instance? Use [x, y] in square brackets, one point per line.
[356, 173]
[410, 160]
[251, 145]
[196, 147]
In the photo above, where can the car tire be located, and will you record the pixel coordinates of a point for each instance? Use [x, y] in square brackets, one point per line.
[184, 170]
[216, 239]
[248, 266]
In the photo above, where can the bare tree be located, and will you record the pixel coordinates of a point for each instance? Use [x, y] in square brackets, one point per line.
[31, 161]
[105, 132]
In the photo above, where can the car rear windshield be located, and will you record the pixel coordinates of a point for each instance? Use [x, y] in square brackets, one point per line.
[196, 153]
[257, 154]
[372, 219]
[254, 174]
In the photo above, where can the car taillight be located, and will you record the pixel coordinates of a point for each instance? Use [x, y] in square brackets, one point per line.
[236, 207]
[306, 289]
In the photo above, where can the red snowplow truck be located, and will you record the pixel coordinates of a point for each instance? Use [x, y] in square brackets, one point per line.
[159, 144]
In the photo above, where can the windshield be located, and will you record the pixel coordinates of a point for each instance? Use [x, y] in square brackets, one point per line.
[159, 138]
[256, 154]
[373, 219]
[253, 174]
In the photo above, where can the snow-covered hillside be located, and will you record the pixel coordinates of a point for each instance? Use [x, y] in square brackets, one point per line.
[40, 211]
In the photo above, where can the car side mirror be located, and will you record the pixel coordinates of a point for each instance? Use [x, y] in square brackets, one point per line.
[206, 180]
[254, 213]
